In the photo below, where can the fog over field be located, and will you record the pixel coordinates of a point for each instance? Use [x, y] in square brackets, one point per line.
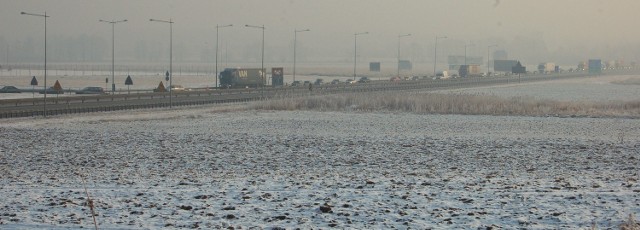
[548, 154]
[564, 32]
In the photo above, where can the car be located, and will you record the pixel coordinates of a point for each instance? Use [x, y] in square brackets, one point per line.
[10, 89]
[318, 81]
[364, 80]
[349, 81]
[335, 81]
[91, 90]
[296, 83]
[306, 83]
[51, 90]
[177, 88]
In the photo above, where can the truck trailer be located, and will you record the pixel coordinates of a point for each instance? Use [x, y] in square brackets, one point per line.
[242, 78]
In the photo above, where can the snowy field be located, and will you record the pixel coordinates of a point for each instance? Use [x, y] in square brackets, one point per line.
[607, 88]
[228, 167]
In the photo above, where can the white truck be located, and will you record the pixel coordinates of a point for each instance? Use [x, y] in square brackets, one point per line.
[442, 75]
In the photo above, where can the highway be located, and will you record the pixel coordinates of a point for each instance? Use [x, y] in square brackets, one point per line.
[30, 107]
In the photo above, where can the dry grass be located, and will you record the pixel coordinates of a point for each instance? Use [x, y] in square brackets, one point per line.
[628, 81]
[467, 104]
[630, 224]
[90, 204]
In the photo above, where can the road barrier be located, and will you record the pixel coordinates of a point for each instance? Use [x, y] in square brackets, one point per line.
[31, 107]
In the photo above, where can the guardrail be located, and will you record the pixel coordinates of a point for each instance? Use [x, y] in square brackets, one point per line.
[73, 110]
[26, 107]
[84, 98]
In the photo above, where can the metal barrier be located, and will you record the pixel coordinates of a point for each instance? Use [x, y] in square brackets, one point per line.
[86, 104]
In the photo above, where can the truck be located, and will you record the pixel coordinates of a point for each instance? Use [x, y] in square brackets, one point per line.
[242, 78]
[469, 70]
[546, 68]
[442, 75]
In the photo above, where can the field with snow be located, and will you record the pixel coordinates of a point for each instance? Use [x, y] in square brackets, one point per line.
[608, 89]
[227, 166]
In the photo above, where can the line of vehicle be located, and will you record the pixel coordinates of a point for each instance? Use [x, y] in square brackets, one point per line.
[29, 107]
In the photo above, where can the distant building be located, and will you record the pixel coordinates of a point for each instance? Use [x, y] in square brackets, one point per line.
[500, 55]
[456, 61]
[405, 65]
[503, 65]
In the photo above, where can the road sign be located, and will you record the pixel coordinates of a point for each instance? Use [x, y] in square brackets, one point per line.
[57, 86]
[160, 88]
[128, 81]
[374, 66]
[277, 76]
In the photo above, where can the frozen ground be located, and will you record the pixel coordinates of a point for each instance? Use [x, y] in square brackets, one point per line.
[603, 88]
[224, 167]
[207, 169]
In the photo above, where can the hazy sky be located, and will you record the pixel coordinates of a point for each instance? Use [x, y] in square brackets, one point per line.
[533, 30]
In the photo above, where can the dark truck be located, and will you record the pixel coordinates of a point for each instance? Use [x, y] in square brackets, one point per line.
[242, 78]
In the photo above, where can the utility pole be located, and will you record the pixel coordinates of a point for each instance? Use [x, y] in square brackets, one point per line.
[216, 74]
[170, 73]
[45, 16]
[295, 38]
[435, 55]
[400, 36]
[355, 52]
[113, 45]
[488, 51]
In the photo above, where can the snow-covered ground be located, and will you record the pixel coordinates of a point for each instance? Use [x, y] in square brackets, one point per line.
[222, 167]
[601, 88]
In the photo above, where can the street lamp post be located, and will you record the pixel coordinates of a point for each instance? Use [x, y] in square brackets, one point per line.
[400, 36]
[217, 27]
[45, 16]
[170, 22]
[355, 52]
[435, 55]
[113, 45]
[465, 52]
[262, 72]
[295, 38]
[488, 51]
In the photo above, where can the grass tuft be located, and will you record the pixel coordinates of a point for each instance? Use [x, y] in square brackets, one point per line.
[630, 224]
